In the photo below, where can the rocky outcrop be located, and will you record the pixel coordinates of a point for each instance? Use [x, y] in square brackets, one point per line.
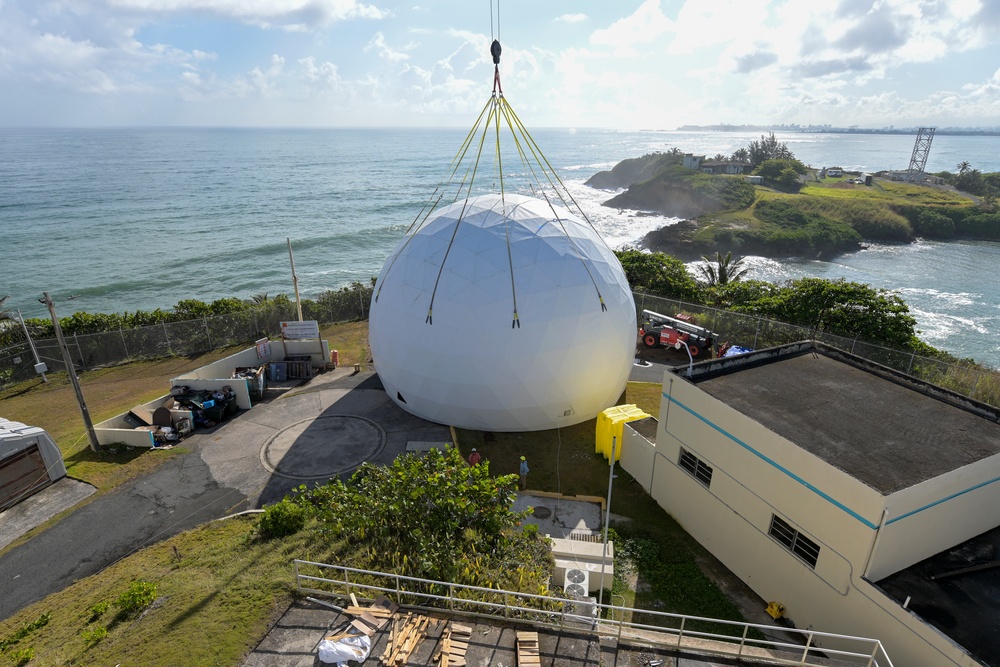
[677, 200]
[631, 171]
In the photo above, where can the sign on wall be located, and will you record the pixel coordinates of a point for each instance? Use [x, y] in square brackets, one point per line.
[300, 330]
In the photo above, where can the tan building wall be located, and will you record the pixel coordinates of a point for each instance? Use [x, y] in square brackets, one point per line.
[935, 515]
[757, 474]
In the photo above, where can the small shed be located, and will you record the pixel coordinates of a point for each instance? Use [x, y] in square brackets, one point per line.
[29, 461]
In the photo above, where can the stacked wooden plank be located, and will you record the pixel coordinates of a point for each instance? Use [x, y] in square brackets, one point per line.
[404, 637]
[371, 619]
[453, 645]
[527, 650]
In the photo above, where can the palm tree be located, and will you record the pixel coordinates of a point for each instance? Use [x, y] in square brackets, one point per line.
[963, 167]
[723, 270]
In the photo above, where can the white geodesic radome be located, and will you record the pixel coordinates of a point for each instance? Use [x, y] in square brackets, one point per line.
[468, 360]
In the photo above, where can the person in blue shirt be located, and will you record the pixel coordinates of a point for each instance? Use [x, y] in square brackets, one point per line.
[524, 473]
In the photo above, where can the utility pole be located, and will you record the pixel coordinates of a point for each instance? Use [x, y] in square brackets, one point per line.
[68, 360]
[39, 366]
[295, 278]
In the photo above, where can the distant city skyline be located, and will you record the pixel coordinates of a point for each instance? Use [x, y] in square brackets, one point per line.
[632, 64]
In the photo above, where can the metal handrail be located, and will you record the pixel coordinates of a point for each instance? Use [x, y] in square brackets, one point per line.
[854, 650]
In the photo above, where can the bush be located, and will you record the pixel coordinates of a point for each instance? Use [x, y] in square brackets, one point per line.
[92, 637]
[140, 594]
[98, 610]
[982, 225]
[281, 519]
[932, 224]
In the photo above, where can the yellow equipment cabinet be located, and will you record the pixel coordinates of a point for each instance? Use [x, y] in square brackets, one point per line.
[609, 426]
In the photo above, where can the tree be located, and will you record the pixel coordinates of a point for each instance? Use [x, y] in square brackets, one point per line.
[741, 155]
[433, 516]
[963, 167]
[768, 148]
[659, 274]
[772, 169]
[839, 307]
[723, 270]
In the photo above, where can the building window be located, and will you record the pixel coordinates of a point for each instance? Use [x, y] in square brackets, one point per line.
[700, 470]
[794, 541]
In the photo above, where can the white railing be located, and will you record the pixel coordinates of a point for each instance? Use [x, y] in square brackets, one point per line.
[677, 632]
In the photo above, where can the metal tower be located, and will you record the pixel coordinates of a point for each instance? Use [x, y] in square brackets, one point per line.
[921, 149]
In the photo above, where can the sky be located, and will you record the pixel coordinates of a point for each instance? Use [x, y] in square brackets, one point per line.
[628, 64]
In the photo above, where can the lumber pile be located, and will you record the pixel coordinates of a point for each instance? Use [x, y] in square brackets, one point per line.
[371, 619]
[404, 637]
[453, 645]
[527, 650]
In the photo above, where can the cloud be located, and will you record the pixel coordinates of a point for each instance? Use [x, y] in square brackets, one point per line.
[826, 67]
[645, 25]
[288, 14]
[570, 18]
[701, 24]
[755, 61]
[878, 31]
[378, 44]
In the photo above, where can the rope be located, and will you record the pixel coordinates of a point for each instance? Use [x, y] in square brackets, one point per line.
[495, 112]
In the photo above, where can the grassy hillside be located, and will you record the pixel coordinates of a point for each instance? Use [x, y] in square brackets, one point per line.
[822, 219]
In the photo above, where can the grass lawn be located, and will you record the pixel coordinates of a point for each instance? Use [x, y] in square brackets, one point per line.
[218, 591]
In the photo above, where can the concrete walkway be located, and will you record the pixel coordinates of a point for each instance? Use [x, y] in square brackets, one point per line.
[329, 426]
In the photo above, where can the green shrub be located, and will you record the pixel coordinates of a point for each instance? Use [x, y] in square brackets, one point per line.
[138, 596]
[24, 631]
[981, 225]
[22, 656]
[932, 224]
[92, 637]
[281, 519]
[98, 610]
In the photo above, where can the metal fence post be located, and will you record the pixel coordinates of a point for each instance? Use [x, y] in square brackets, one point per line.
[208, 334]
[124, 346]
[166, 337]
[756, 333]
[909, 369]
[79, 351]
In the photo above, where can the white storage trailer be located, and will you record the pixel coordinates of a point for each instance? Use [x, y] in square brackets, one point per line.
[29, 461]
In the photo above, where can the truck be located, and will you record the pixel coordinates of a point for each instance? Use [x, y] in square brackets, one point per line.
[677, 332]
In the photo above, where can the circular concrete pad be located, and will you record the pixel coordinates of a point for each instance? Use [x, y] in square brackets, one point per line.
[323, 447]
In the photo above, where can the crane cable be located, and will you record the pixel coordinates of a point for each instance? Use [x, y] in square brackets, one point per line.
[495, 110]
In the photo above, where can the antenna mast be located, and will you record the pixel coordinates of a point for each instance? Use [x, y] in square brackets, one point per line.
[921, 149]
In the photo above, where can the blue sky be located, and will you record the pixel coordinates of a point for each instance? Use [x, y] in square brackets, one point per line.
[631, 64]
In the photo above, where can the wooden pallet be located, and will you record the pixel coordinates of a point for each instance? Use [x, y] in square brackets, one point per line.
[527, 650]
[453, 645]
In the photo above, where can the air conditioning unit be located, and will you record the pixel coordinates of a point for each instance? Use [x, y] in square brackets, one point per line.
[577, 582]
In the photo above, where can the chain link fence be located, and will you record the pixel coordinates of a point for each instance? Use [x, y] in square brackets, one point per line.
[198, 336]
[178, 339]
[976, 382]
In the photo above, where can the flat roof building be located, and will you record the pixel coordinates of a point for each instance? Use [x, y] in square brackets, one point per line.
[817, 477]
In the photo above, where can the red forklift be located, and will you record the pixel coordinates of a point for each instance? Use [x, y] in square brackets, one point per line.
[677, 332]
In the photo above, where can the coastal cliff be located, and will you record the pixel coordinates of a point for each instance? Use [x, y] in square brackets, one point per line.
[817, 218]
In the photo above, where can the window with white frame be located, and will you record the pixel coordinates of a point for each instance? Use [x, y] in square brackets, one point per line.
[794, 541]
[698, 469]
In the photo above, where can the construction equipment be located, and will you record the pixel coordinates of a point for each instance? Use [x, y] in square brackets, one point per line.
[664, 331]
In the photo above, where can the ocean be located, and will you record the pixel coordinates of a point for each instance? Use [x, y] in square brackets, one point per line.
[113, 220]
